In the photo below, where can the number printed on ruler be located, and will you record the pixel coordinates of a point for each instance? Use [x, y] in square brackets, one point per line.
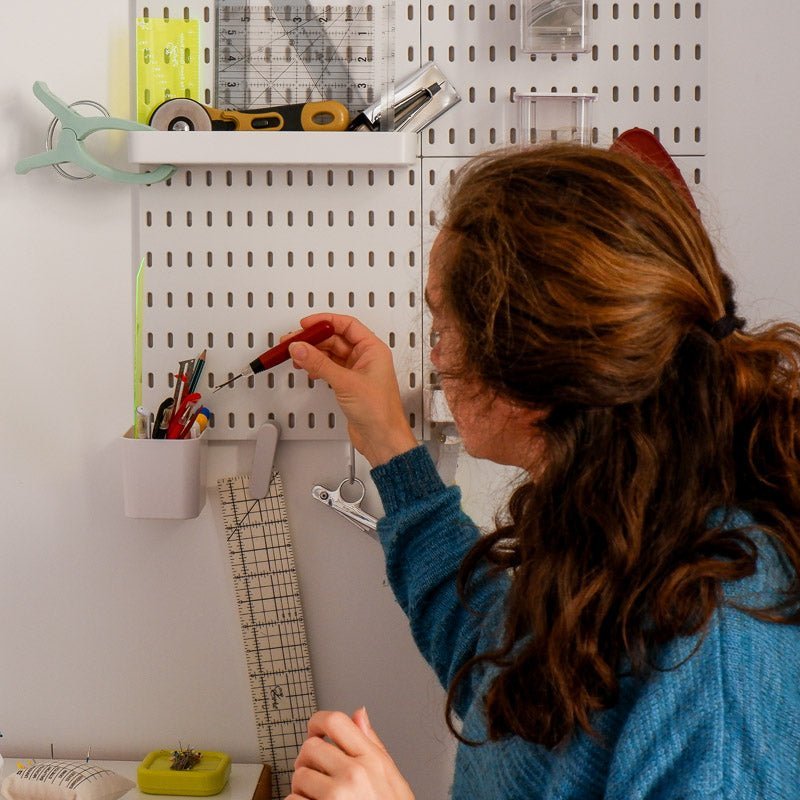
[272, 622]
[296, 52]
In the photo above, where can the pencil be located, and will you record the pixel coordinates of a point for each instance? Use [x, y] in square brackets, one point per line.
[199, 363]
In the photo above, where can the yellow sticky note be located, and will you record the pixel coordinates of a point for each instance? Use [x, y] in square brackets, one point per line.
[167, 62]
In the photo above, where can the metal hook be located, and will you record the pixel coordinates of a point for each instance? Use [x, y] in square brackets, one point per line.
[353, 465]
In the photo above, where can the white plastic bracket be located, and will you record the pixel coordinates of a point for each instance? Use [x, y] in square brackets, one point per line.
[449, 442]
[263, 458]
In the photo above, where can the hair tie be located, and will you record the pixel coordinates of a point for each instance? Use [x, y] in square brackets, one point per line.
[727, 324]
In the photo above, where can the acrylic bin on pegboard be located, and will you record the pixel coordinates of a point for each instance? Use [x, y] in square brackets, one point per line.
[555, 26]
[163, 478]
[554, 117]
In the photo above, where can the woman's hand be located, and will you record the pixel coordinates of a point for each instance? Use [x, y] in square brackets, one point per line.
[358, 367]
[353, 765]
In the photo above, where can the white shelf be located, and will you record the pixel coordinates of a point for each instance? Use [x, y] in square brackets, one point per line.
[274, 147]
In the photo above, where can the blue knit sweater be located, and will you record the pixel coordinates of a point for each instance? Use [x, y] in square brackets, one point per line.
[724, 725]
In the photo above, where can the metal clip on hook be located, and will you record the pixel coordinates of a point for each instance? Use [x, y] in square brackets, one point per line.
[350, 510]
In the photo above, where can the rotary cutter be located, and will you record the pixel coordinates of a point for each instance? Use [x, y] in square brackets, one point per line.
[182, 114]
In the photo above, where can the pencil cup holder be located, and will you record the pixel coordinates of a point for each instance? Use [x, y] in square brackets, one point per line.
[163, 478]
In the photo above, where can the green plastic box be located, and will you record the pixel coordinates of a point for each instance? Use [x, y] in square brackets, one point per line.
[206, 778]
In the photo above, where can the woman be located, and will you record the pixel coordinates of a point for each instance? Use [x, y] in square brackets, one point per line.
[630, 629]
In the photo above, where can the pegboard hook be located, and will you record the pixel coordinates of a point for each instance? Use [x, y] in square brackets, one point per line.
[263, 459]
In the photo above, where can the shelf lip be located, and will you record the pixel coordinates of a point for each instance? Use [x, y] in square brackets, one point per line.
[274, 147]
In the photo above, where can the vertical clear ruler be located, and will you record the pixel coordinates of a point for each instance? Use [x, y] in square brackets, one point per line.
[272, 622]
[296, 51]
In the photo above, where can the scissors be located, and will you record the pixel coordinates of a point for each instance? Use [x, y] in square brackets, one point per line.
[70, 147]
[350, 510]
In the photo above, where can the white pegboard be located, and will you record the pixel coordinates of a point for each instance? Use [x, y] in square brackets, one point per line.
[646, 63]
[236, 256]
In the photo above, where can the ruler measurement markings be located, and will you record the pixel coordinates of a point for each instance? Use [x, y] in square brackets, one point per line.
[271, 621]
[325, 51]
[265, 738]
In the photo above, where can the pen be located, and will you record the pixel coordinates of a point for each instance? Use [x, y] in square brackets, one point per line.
[162, 419]
[318, 332]
[182, 381]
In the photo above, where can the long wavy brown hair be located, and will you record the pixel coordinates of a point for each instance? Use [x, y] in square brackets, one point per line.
[582, 283]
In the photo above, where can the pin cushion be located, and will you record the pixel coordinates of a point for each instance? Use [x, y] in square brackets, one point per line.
[208, 776]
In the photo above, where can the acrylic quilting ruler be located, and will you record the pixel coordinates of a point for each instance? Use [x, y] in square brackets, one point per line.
[272, 622]
[296, 51]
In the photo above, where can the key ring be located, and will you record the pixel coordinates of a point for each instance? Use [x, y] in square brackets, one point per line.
[350, 481]
[51, 129]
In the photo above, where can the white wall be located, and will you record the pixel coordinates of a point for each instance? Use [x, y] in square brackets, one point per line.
[752, 176]
[121, 634]
[117, 633]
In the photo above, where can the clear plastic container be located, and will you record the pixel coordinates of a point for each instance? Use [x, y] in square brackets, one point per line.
[554, 117]
[555, 26]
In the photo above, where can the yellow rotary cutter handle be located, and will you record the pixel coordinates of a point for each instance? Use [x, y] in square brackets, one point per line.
[70, 148]
[182, 114]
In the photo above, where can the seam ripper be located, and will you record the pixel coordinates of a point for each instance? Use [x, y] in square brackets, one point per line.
[316, 333]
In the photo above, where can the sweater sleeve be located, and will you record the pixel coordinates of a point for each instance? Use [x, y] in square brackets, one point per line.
[425, 535]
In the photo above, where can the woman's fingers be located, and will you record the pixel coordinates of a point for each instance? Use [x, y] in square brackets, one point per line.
[310, 783]
[317, 364]
[341, 730]
[344, 758]
[349, 328]
[359, 368]
[321, 755]
[351, 337]
[361, 719]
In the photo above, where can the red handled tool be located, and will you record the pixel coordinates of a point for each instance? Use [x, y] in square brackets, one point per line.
[318, 332]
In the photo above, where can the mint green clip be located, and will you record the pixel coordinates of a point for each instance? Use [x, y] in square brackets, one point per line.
[70, 149]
